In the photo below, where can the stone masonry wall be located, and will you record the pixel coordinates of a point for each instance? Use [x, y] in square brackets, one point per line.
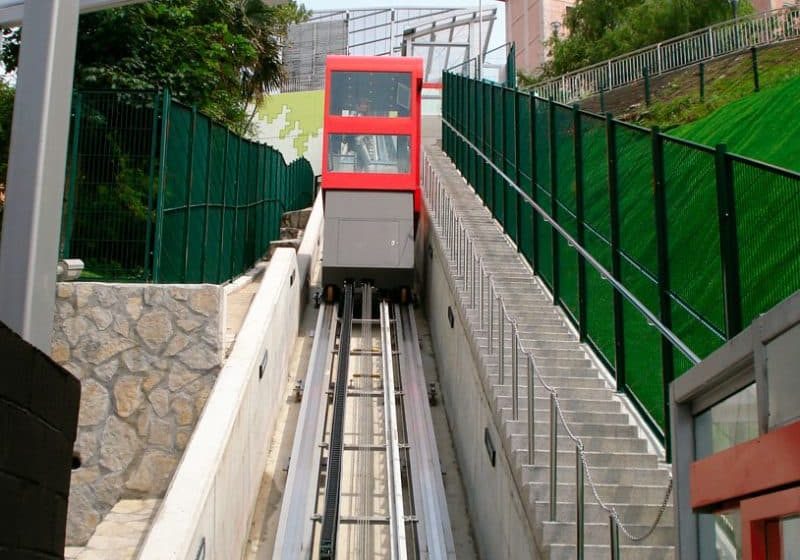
[147, 358]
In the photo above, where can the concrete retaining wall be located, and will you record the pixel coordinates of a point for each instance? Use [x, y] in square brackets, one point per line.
[209, 504]
[147, 357]
[500, 522]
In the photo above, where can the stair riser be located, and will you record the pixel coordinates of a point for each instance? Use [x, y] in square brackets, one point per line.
[520, 427]
[593, 513]
[606, 445]
[599, 534]
[609, 494]
[653, 477]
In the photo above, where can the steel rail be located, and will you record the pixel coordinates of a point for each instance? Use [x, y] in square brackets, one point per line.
[435, 533]
[330, 517]
[295, 526]
[397, 530]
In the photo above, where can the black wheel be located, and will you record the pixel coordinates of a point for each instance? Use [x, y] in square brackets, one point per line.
[330, 294]
[405, 296]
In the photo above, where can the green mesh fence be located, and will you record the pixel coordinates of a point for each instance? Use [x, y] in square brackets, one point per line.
[159, 192]
[704, 240]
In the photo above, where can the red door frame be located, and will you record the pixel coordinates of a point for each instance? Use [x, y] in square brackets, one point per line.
[757, 535]
[410, 126]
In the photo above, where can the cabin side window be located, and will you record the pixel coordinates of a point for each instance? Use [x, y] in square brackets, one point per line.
[370, 94]
[369, 153]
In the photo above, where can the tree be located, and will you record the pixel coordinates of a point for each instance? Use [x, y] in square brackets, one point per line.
[602, 29]
[216, 54]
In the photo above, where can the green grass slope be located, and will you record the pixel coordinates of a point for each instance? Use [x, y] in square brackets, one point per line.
[763, 126]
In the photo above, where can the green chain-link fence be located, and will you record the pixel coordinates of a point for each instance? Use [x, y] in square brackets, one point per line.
[159, 192]
[705, 240]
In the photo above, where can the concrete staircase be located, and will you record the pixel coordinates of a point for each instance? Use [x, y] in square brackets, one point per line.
[627, 471]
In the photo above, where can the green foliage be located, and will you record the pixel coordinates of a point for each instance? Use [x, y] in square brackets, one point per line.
[602, 29]
[761, 126]
[216, 54]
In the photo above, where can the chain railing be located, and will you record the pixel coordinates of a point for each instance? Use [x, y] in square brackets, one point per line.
[481, 297]
[705, 44]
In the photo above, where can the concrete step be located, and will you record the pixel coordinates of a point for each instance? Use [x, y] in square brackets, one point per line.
[609, 493]
[568, 393]
[520, 427]
[598, 533]
[602, 552]
[579, 382]
[571, 405]
[593, 458]
[642, 514]
[602, 475]
[542, 416]
[590, 443]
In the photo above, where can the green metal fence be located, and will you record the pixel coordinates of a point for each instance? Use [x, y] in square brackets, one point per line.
[701, 239]
[157, 191]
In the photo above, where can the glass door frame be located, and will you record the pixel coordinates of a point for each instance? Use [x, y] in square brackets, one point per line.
[757, 538]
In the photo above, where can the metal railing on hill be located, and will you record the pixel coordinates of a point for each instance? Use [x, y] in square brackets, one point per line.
[158, 192]
[658, 249]
[704, 44]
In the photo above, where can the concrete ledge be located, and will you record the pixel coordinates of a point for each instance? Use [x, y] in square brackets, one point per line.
[308, 253]
[209, 504]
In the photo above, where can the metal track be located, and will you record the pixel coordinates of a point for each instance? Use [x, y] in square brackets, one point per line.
[330, 518]
[383, 492]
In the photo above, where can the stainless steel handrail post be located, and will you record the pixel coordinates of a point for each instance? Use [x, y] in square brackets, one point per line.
[514, 371]
[474, 281]
[553, 455]
[579, 505]
[531, 410]
[482, 290]
[501, 346]
[614, 537]
[490, 340]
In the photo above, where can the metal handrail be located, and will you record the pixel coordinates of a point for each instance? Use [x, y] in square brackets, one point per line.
[454, 233]
[679, 52]
[604, 274]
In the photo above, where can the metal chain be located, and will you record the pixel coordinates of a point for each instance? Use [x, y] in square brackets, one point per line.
[610, 509]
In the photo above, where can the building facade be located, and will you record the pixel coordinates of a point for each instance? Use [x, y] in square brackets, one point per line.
[530, 23]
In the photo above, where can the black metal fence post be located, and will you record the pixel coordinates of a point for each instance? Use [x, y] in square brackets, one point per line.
[72, 186]
[728, 243]
[166, 103]
[517, 172]
[754, 58]
[616, 261]
[188, 197]
[579, 220]
[554, 198]
[646, 76]
[702, 74]
[662, 248]
[534, 187]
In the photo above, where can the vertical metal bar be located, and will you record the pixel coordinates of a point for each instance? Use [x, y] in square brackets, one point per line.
[702, 68]
[514, 371]
[190, 163]
[665, 302]
[166, 103]
[518, 172]
[614, 537]
[754, 58]
[553, 456]
[501, 345]
[77, 106]
[554, 200]
[151, 185]
[482, 286]
[579, 221]
[531, 411]
[36, 167]
[646, 76]
[616, 261]
[579, 504]
[491, 314]
[534, 184]
[729, 244]
[224, 207]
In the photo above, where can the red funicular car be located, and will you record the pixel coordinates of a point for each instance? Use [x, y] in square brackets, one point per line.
[370, 177]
